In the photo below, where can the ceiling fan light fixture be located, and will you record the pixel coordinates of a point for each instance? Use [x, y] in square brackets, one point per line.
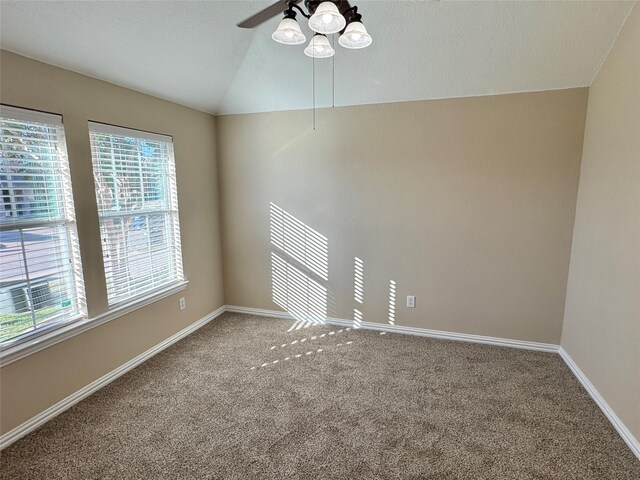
[327, 19]
[288, 32]
[355, 36]
[319, 47]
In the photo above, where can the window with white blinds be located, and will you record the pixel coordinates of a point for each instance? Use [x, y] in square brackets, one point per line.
[135, 182]
[41, 284]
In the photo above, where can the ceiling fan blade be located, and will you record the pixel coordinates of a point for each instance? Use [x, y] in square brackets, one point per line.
[263, 15]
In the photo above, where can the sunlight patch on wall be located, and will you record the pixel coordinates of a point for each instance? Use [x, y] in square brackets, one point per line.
[299, 241]
[358, 280]
[392, 302]
[358, 290]
[298, 268]
[357, 318]
[303, 254]
[297, 293]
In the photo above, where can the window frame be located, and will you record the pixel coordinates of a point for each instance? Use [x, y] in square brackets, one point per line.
[173, 212]
[47, 339]
[50, 335]
[68, 223]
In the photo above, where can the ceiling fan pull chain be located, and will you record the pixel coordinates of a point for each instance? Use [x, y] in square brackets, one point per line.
[333, 73]
[313, 83]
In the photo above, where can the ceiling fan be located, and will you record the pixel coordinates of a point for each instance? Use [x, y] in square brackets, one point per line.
[325, 17]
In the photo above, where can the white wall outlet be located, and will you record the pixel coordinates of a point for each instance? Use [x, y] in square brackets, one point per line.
[182, 303]
[411, 301]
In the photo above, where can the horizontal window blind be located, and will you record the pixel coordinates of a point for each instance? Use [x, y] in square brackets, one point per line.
[135, 183]
[41, 284]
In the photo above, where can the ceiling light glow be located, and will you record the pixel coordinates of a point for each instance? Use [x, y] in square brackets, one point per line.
[355, 36]
[289, 33]
[319, 47]
[327, 19]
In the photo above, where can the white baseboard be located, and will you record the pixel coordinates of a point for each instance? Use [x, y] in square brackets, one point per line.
[66, 403]
[624, 432]
[622, 429]
[258, 311]
[43, 417]
[424, 332]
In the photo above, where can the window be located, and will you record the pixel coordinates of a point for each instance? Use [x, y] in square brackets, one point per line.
[135, 182]
[41, 284]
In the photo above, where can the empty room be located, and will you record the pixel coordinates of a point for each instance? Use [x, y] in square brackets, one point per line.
[320, 239]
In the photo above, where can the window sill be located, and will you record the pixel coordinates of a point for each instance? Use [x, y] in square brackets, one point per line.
[40, 342]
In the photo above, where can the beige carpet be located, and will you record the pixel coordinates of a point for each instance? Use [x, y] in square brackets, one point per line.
[329, 403]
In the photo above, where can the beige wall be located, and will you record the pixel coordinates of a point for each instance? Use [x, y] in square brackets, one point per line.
[466, 203]
[601, 328]
[36, 382]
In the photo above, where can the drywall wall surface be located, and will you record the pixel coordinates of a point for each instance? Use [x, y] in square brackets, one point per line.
[468, 204]
[34, 383]
[601, 328]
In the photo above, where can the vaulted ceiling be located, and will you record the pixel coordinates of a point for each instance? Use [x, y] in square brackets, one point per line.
[193, 54]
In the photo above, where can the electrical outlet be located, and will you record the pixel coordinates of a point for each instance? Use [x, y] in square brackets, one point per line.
[182, 303]
[411, 301]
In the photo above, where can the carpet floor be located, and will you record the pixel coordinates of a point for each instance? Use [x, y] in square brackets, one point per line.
[244, 398]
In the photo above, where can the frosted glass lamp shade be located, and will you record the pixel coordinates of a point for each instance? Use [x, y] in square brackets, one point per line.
[289, 33]
[355, 36]
[327, 19]
[319, 47]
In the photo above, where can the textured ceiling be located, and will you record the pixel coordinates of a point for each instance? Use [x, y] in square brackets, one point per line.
[192, 53]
